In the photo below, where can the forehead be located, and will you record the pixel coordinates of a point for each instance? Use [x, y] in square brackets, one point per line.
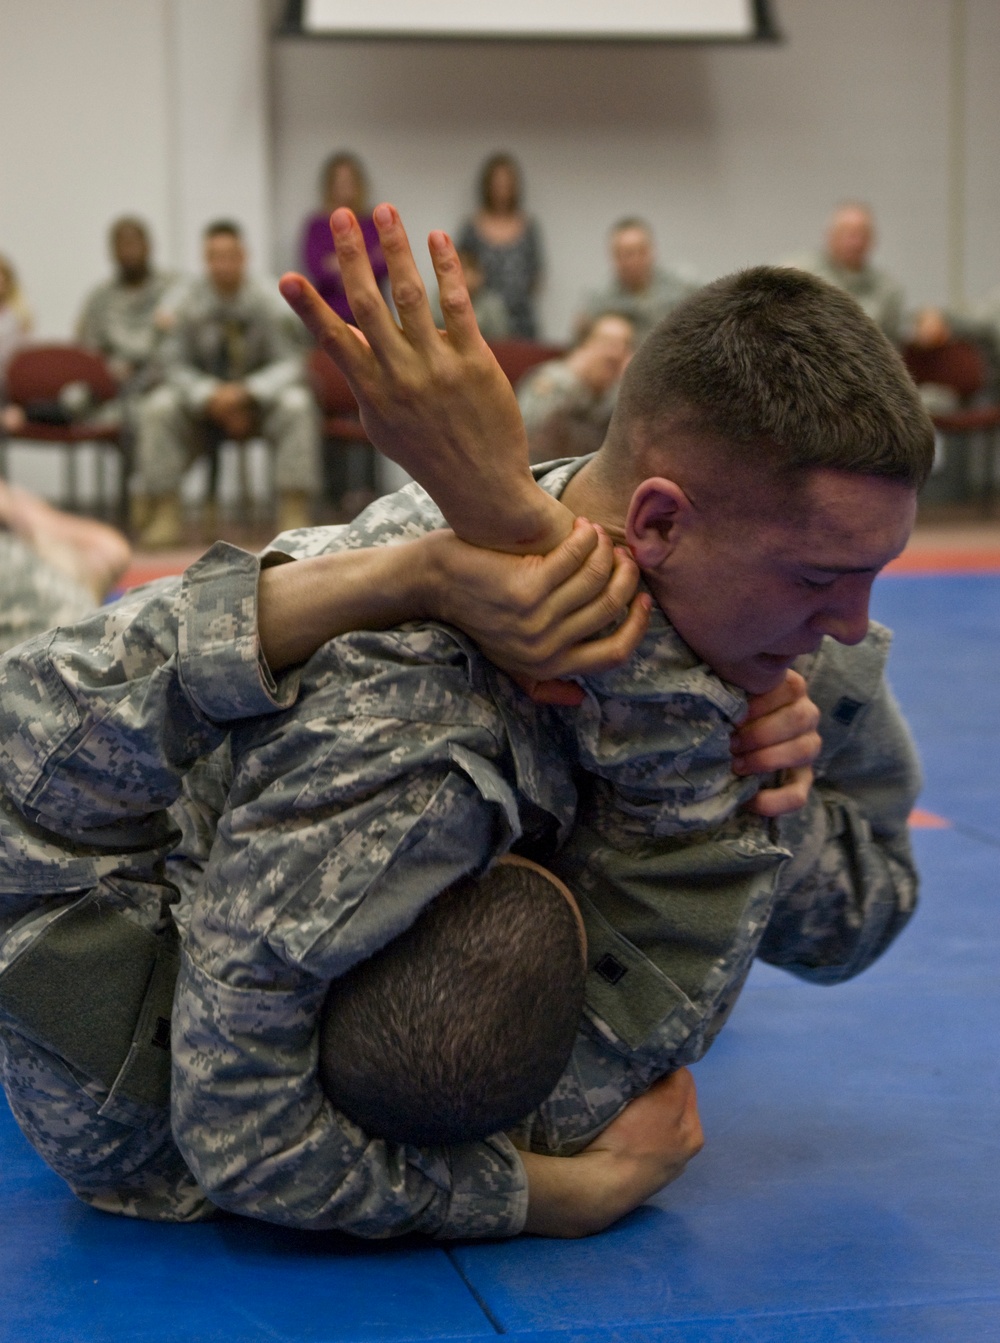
[632, 237]
[222, 242]
[852, 219]
[129, 233]
[840, 520]
[611, 327]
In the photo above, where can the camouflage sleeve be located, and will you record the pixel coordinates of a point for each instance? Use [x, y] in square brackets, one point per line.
[88, 328]
[345, 817]
[99, 721]
[553, 389]
[262, 1140]
[851, 885]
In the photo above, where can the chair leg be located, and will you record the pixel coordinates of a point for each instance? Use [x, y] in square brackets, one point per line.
[71, 481]
[992, 443]
[101, 481]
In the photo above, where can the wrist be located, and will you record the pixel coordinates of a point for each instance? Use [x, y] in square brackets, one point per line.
[530, 522]
[571, 1196]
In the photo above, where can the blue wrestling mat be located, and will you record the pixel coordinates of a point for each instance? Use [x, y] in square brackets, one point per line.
[849, 1188]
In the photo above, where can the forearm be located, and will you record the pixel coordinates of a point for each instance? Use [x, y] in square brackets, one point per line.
[851, 884]
[291, 1158]
[844, 897]
[303, 605]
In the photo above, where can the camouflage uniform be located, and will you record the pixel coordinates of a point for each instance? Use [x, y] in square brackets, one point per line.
[646, 309]
[247, 339]
[119, 321]
[563, 416]
[337, 802]
[35, 596]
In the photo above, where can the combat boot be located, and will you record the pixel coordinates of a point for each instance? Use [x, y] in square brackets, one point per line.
[140, 508]
[164, 528]
[293, 510]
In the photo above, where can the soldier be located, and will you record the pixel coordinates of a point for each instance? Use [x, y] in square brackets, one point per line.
[845, 261]
[640, 290]
[400, 762]
[126, 318]
[233, 369]
[567, 403]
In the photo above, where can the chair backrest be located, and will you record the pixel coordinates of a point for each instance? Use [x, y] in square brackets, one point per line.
[40, 372]
[959, 364]
[516, 357]
[330, 388]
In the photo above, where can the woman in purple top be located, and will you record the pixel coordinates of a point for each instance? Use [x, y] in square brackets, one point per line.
[343, 182]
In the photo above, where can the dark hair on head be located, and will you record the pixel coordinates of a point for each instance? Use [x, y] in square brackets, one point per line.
[495, 161]
[788, 369]
[128, 222]
[223, 226]
[462, 1025]
[343, 158]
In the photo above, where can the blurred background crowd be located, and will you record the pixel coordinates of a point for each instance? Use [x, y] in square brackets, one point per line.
[192, 362]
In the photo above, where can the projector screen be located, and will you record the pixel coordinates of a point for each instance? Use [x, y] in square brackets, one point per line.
[624, 20]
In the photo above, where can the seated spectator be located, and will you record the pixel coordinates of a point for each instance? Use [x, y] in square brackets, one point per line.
[126, 318]
[15, 319]
[845, 262]
[506, 242]
[57, 567]
[343, 182]
[233, 369]
[487, 305]
[567, 403]
[640, 290]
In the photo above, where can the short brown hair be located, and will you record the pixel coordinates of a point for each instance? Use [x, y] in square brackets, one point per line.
[495, 161]
[461, 1026]
[781, 363]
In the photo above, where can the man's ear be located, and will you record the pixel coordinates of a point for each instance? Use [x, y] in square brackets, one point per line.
[657, 513]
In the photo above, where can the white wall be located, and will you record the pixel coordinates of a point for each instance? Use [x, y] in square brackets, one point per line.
[734, 154]
[180, 110]
[153, 107]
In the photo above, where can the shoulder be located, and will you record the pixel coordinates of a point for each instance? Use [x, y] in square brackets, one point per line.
[404, 516]
[99, 295]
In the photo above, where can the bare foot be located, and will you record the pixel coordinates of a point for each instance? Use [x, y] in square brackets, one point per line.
[12, 419]
[91, 552]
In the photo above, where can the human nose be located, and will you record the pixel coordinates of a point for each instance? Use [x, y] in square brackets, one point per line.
[845, 616]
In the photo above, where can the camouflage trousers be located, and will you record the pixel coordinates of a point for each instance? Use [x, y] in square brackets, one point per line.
[170, 437]
[85, 1000]
[128, 1164]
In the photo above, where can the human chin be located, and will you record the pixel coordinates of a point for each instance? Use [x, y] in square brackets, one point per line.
[757, 674]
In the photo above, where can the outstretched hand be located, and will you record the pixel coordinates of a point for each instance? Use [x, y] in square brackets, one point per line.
[436, 402]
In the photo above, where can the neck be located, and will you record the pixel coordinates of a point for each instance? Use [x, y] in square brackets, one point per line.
[587, 496]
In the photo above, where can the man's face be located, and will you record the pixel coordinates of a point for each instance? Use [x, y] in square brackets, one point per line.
[632, 255]
[225, 262]
[611, 343]
[752, 595]
[850, 237]
[130, 249]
